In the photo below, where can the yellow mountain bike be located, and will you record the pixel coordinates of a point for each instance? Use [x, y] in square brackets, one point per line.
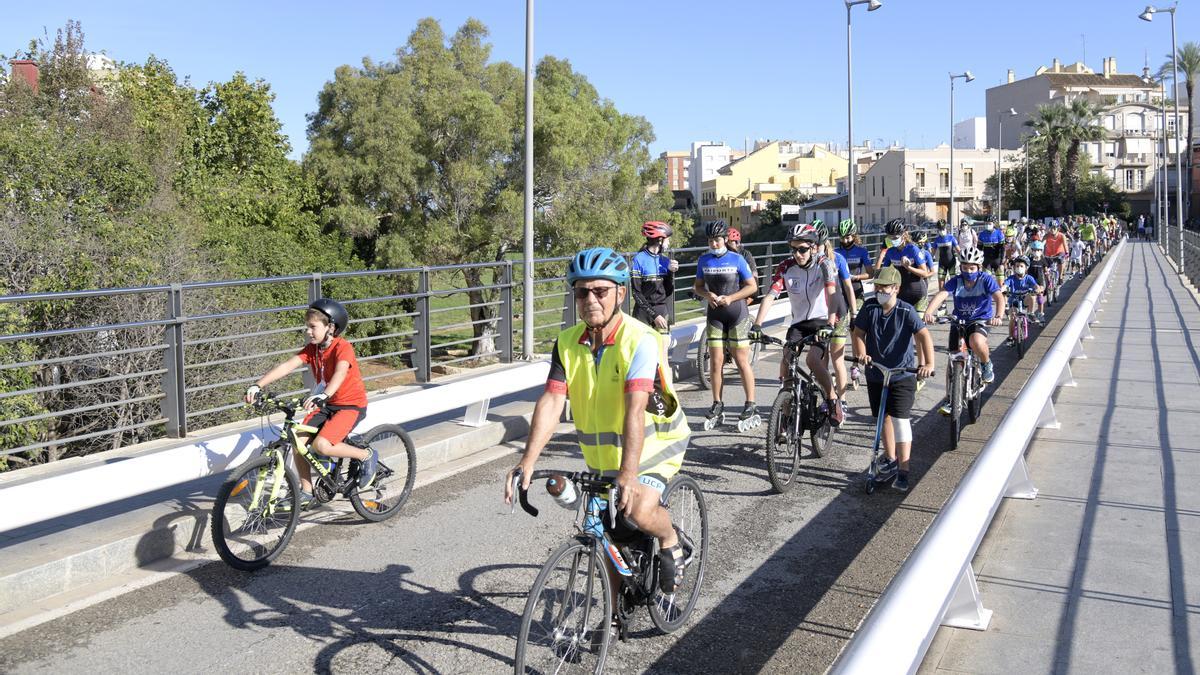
[257, 508]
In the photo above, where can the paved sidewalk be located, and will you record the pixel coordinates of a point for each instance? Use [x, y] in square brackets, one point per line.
[1101, 573]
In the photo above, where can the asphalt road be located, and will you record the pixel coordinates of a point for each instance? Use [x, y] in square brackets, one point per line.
[440, 588]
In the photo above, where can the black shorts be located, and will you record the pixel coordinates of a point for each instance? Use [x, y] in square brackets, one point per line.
[901, 395]
[807, 328]
[976, 327]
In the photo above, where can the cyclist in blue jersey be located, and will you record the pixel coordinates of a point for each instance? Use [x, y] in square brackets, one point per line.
[978, 299]
[858, 258]
[906, 257]
[724, 281]
[947, 249]
[846, 306]
[921, 239]
[1022, 284]
[652, 278]
[991, 243]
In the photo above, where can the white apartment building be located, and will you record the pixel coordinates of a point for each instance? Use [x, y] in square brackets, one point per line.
[706, 159]
[915, 185]
[971, 134]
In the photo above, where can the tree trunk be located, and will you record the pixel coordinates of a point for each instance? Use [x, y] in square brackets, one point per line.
[1056, 197]
[486, 315]
[1070, 177]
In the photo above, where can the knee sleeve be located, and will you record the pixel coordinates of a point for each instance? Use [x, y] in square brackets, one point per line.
[902, 429]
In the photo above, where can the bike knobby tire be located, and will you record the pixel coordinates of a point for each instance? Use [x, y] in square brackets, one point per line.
[394, 479]
[249, 532]
[783, 459]
[702, 359]
[975, 403]
[955, 392]
[689, 515]
[565, 625]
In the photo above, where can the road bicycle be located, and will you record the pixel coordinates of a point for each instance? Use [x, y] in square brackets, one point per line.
[569, 618]
[964, 380]
[1018, 322]
[258, 506]
[797, 409]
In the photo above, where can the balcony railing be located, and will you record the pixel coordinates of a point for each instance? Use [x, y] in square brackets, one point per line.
[960, 192]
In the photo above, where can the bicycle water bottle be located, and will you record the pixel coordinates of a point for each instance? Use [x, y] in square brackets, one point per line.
[563, 491]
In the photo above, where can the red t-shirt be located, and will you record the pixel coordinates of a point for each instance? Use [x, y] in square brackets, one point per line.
[323, 364]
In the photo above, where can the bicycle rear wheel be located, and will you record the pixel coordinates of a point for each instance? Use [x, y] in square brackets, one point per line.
[689, 514]
[975, 389]
[783, 442]
[255, 513]
[393, 482]
[565, 626]
[1021, 332]
[702, 360]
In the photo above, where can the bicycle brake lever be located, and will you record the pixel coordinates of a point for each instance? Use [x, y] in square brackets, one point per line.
[614, 496]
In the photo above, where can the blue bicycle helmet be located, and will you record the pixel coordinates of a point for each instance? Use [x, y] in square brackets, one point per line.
[597, 263]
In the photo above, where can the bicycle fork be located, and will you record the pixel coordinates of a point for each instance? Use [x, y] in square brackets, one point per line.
[276, 482]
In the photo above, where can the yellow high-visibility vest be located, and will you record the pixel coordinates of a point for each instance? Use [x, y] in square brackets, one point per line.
[597, 394]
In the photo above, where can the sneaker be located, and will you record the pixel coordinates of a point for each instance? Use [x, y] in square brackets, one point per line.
[366, 472]
[946, 409]
[989, 373]
[306, 502]
[671, 565]
[901, 482]
[886, 466]
[836, 414]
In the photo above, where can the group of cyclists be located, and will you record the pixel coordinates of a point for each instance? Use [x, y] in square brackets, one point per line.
[613, 367]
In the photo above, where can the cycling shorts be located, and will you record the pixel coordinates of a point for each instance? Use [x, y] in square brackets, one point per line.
[625, 531]
[731, 334]
[335, 424]
[947, 272]
[980, 327]
[646, 314]
[841, 331]
[806, 328]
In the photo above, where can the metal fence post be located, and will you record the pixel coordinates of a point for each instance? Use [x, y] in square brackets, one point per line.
[625, 306]
[314, 288]
[422, 341]
[506, 312]
[569, 317]
[174, 406]
[766, 269]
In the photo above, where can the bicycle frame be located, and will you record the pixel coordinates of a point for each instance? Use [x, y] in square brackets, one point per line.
[290, 433]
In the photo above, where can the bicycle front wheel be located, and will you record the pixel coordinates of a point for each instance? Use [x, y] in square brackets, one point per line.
[955, 386]
[689, 515]
[255, 513]
[702, 360]
[393, 482]
[975, 389]
[565, 626]
[783, 442]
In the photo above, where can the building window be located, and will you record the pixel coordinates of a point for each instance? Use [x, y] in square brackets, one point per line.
[873, 186]
[968, 177]
[920, 178]
[943, 179]
[1110, 149]
[883, 186]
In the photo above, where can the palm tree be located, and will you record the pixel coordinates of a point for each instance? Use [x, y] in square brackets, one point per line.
[1189, 67]
[1080, 127]
[1050, 121]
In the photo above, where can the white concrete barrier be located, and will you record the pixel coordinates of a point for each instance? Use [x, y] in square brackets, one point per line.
[936, 585]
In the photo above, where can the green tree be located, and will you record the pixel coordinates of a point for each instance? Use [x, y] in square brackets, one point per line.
[1050, 123]
[420, 160]
[1081, 126]
[770, 216]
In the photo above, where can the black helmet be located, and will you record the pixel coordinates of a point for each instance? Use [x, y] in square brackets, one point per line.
[334, 311]
[1021, 260]
[895, 226]
[717, 228]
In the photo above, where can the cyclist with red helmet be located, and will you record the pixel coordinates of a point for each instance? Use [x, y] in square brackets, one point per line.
[340, 400]
[652, 277]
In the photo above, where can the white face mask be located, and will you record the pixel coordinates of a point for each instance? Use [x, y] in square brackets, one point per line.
[1037, 254]
[720, 251]
[1021, 270]
[885, 299]
[991, 226]
[894, 241]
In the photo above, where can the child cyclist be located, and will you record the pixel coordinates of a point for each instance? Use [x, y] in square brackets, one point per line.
[1037, 270]
[885, 331]
[340, 401]
[978, 299]
[1020, 285]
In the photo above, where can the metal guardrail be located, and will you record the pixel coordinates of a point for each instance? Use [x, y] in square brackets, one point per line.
[133, 364]
[936, 585]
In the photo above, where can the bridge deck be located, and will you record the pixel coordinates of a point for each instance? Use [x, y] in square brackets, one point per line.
[1101, 573]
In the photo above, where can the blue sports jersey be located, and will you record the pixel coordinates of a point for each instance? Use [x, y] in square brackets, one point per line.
[843, 266]
[973, 303]
[1015, 284]
[910, 251]
[856, 257]
[992, 237]
[926, 258]
[723, 274]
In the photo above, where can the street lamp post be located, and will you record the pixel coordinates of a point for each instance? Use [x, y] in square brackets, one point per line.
[1011, 112]
[1162, 208]
[967, 76]
[872, 5]
[527, 304]
[1148, 15]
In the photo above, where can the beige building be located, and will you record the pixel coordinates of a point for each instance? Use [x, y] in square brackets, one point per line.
[1133, 126]
[915, 185]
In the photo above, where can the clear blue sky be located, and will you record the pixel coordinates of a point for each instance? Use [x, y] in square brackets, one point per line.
[697, 69]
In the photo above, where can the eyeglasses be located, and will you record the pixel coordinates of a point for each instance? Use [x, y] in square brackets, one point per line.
[600, 292]
[801, 249]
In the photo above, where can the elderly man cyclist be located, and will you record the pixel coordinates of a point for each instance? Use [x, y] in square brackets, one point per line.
[629, 421]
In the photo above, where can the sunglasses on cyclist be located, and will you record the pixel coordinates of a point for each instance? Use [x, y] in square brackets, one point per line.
[801, 249]
[600, 292]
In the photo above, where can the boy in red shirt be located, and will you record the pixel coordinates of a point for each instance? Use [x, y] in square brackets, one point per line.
[340, 401]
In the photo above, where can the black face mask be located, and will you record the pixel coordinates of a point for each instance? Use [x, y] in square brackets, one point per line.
[847, 242]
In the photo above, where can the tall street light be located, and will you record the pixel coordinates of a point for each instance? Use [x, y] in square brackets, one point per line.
[967, 76]
[1148, 15]
[1011, 112]
[1163, 206]
[527, 272]
[872, 5]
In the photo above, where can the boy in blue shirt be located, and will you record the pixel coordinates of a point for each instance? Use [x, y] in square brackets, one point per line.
[978, 299]
[1021, 286]
[885, 331]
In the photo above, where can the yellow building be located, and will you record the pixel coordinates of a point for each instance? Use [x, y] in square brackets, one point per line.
[744, 186]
